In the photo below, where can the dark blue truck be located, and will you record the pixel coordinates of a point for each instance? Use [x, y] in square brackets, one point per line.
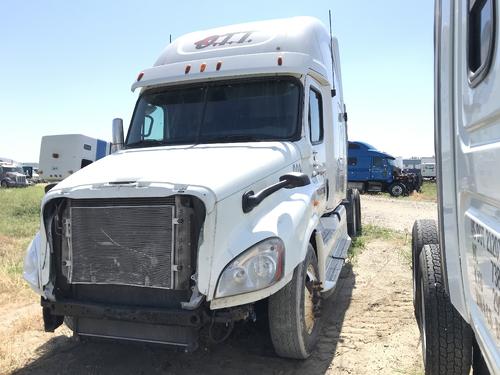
[370, 170]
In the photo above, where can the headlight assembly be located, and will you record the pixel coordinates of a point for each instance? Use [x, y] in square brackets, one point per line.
[256, 268]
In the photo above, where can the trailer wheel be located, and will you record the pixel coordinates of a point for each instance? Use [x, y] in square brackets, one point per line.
[446, 337]
[294, 320]
[397, 189]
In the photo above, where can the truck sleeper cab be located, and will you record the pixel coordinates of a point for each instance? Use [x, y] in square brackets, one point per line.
[229, 189]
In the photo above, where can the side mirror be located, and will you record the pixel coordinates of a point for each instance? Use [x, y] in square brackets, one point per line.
[118, 138]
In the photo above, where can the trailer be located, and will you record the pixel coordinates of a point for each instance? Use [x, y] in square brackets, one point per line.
[456, 261]
[64, 154]
[229, 191]
[370, 170]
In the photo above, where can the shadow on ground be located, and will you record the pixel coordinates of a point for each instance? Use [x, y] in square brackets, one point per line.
[248, 351]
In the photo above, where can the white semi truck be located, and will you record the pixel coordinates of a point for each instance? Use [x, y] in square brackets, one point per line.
[228, 190]
[456, 262]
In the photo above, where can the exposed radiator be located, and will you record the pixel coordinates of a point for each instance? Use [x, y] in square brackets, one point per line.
[121, 242]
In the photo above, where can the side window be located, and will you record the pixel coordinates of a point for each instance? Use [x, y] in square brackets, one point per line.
[153, 123]
[352, 162]
[315, 117]
[353, 146]
[378, 162]
[480, 39]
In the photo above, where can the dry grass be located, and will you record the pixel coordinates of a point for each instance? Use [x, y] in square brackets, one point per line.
[19, 221]
[19, 306]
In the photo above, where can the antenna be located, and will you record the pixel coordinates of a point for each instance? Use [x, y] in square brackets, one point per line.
[331, 53]
[170, 38]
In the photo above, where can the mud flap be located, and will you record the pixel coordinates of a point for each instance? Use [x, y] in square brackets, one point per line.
[51, 322]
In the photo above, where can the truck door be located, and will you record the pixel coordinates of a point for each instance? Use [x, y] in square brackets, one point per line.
[378, 169]
[477, 157]
[316, 133]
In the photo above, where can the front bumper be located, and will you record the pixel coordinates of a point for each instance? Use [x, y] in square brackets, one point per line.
[174, 327]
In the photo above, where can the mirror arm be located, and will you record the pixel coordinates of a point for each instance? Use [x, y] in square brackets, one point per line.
[250, 200]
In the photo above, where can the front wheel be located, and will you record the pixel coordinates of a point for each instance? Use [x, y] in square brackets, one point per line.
[294, 311]
[397, 189]
[3, 184]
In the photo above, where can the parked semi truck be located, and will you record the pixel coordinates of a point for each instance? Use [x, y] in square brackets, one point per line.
[456, 262]
[370, 170]
[228, 191]
[428, 171]
[12, 175]
[62, 155]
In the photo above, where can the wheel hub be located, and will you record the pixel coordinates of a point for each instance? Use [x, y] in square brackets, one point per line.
[312, 298]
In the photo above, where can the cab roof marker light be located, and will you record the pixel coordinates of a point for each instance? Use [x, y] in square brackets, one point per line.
[139, 76]
[203, 67]
[280, 60]
[188, 68]
[218, 66]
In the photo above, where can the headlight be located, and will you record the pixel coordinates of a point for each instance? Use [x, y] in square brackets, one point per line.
[256, 268]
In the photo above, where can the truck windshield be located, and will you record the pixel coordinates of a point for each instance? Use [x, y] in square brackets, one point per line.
[13, 169]
[258, 110]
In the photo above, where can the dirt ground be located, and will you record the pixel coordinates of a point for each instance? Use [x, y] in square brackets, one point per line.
[368, 326]
[395, 213]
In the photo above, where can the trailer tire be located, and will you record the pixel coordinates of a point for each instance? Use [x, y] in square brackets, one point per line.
[397, 189]
[424, 232]
[446, 337]
[294, 321]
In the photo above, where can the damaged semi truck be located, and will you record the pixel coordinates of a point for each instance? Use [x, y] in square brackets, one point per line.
[229, 189]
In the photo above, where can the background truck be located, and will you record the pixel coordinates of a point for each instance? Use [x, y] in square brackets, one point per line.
[12, 175]
[228, 193]
[457, 262]
[428, 171]
[370, 170]
[62, 155]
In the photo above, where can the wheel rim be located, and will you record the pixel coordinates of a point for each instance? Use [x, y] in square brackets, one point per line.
[309, 303]
[423, 322]
[397, 190]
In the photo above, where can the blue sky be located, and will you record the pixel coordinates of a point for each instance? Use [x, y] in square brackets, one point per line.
[67, 66]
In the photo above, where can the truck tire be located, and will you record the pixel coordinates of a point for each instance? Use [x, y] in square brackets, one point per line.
[351, 211]
[359, 228]
[294, 321]
[424, 232]
[397, 189]
[446, 337]
[3, 184]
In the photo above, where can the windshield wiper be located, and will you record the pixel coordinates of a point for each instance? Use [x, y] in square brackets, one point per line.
[145, 143]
